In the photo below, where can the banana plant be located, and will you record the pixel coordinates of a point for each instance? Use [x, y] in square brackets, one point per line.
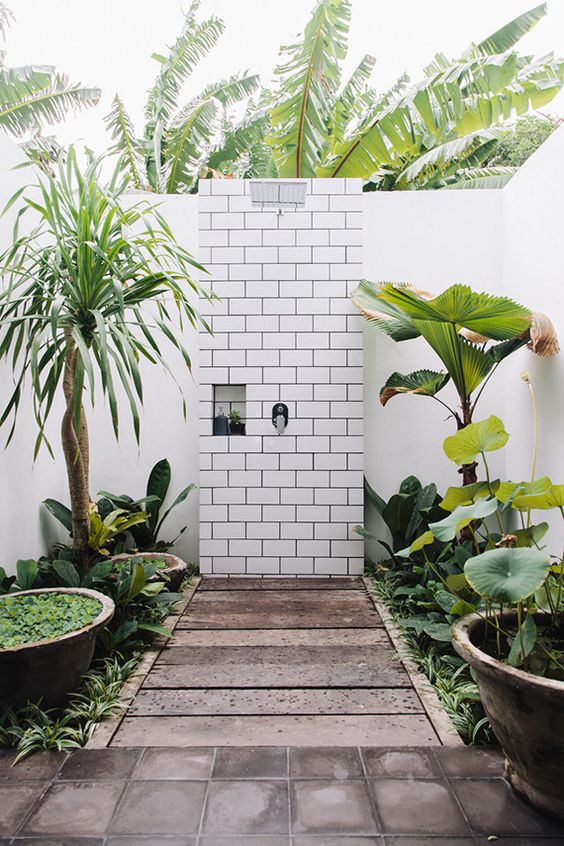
[471, 332]
[91, 288]
[438, 132]
[35, 95]
[178, 138]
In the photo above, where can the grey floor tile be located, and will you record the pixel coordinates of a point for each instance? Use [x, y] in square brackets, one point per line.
[183, 764]
[75, 808]
[325, 762]
[400, 763]
[16, 800]
[418, 806]
[344, 840]
[136, 840]
[251, 762]
[40, 766]
[254, 840]
[160, 807]
[493, 809]
[99, 764]
[466, 761]
[432, 841]
[58, 841]
[332, 807]
[247, 807]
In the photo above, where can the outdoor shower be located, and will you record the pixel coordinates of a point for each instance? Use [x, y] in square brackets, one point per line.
[280, 417]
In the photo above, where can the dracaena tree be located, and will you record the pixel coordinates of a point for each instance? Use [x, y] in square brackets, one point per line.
[472, 333]
[36, 95]
[178, 136]
[434, 133]
[90, 289]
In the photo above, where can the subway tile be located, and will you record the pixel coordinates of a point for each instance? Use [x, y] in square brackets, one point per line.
[348, 513]
[246, 478]
[261, 220]
[229, 255]
[230, 565]
[227, 220]
[228, 461]
[279, 513]
[296, 358]
[313, 305]
[245, 547]
[330, 461]
[213, 478]
[263, 531]
[331, 496]
[261, 254]
[346, 203]
[263, 496]
[245, 305]
[262, 461]
[263, 565]
[330, 531]
[263, 288]
[292, 288]
[296, 496]
[281, 340]
[330, 358]
[329, 220]
[295, 254]
[263, 323]
[313, 375]
[245, 271]
[296, 566]
[229, 530]
[327, 185]
[313, 548]
[283, 305]
[296, 461]
[330, 566]
[245, 513]
[224, 496]
[346, 237]
[347, 444]
[333, 323]
[279, 375]
[299, 531]
[312, 271]
[227, 187]
[279, 547]
[213, 513]
[279, 479]
[330, 392]
[313, 237]
[296, 220]
[244, 237]
[279, 271]
[313, 340]
[328, 254]
[279, 237]
[212, 547]
[348, 548]
[327, 288]
[314, 444]
[313, 513]
[328, 426]
[245, 341]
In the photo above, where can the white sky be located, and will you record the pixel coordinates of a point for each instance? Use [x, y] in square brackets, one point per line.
[108, 43]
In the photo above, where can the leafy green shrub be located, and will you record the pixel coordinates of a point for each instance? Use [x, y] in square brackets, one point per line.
[36, 617]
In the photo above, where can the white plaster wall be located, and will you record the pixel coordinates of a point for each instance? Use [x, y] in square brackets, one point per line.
[25, 529]
[432, 239]
[533, 273]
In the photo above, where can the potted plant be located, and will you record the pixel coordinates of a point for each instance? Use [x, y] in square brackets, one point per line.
[510, 600]
[90, 285]
[47, 639]
[236, 427]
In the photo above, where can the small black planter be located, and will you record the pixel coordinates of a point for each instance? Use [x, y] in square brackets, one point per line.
[237, 428]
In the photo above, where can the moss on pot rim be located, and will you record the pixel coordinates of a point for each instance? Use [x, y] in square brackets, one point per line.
[30, 618]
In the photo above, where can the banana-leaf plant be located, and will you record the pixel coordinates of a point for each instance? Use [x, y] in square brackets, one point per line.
[33, 96]
[471, 332]
[434, 133]
[178, 137]
[91, 285]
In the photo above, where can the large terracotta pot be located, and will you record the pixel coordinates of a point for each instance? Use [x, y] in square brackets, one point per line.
[175, 567]
[527, 716]
[50, 669]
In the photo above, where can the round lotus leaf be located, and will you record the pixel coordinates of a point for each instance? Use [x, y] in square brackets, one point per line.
[468, 443]
[507, 575]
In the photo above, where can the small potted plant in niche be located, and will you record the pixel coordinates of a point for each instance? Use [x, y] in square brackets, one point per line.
[236, 426]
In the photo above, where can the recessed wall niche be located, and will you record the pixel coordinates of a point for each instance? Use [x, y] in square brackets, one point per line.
[229, 409]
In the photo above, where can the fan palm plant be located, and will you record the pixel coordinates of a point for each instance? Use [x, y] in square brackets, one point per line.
[460, 326]
[89, 286]
[434, 133]
[177, 138]
[35, 95]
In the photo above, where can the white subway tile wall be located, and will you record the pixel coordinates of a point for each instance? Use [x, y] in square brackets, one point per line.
[286, 330]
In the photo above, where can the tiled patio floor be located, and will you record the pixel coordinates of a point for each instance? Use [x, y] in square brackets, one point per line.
[276, 796]
[261, 662]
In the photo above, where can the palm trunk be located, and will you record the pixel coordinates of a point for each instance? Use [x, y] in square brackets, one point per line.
[468, 471]
[76, 452]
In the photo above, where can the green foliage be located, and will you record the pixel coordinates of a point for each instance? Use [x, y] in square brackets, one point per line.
[35, 96]
[441, 131]
[31, 728]
[32, 618]
[521, 140]
[475, 439]
[507, 575]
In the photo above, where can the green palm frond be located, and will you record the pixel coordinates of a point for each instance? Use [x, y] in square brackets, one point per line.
[125, 143]
[508, 36]
[354, 98]
[190, 136]
[242, 150]
[33, 96]
[467, 363]
[426, 383]
[483, 177]
[309, 80]
[195, 41]
[86, 276]
[385, 316]
[6, 20]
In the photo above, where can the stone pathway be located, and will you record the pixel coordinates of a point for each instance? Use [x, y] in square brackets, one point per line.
[262, 662]
[273, 796]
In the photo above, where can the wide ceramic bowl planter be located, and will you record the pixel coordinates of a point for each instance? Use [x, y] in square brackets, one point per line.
[50, 669]
[527, 716]
[175, 567]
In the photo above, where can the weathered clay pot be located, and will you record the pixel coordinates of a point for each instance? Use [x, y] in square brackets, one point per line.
[527, 716]
[175, 569]
[50, 669]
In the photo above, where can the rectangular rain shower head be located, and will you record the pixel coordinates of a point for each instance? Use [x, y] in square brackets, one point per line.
[278, 194]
